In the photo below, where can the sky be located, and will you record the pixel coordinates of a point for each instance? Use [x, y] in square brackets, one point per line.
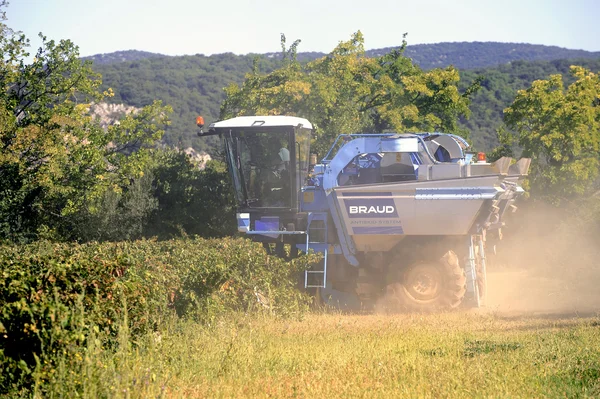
[178, 27]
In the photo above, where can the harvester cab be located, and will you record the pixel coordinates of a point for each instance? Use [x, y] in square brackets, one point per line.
[268, 161]
[400, 219]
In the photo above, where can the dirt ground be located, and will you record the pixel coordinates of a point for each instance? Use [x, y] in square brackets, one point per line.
[548, 263]
[525, 291]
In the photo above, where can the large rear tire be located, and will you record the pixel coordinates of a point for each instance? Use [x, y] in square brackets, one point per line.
[428, 285]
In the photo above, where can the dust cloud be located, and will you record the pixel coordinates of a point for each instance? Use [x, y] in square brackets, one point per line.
[548, 262]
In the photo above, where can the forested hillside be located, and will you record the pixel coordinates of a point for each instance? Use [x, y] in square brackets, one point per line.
[463, 55]
[499, 88]
[194, 85]
[121, 56]
[472, 55]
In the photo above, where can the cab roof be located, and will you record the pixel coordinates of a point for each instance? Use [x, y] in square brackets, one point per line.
[261, 121]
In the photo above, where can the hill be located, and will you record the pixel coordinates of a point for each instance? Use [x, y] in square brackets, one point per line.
[473, 55]
[463, 55]
[194, 84]
[121, 56]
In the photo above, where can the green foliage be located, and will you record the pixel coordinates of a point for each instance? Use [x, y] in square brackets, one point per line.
[119, 213]
[348, 92]
[55, 296]
[560, 129]
[506, 147]
[499, 87]
[190, 200]
[43, 131]
[173, 197]
[56, 162]
[64, 177]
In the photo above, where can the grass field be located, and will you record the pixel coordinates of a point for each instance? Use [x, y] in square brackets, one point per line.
[461, 354]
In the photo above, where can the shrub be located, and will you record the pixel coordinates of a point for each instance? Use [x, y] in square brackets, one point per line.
[53, 296]
[190, 200]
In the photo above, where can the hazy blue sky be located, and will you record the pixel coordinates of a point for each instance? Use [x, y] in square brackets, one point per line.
[178, 27]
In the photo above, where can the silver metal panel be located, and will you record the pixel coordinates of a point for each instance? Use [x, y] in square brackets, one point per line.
[446, 171]
[424, 172]
[480, 169]
[502, 165]
[460, 193]
[450, 144]
[407, 144]
[443, 171]
[372, 215]
[521, 167]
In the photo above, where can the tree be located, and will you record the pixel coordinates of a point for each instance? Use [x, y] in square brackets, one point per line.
[118, 202]
[55, 160]
[560, 130]
[42, 128]
[347, 92]
[190, 200]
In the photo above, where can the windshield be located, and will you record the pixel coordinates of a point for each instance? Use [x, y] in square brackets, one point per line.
[260, 167]
[302, 138]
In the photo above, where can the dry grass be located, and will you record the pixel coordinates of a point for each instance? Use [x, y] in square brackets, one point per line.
[463, 354]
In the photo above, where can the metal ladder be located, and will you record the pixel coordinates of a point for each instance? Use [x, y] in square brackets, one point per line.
[318, 246]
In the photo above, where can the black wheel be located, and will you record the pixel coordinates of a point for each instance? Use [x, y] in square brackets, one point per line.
[429, 285]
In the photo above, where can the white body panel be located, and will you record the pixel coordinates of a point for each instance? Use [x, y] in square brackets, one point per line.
[378, 216]
[262, 121]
